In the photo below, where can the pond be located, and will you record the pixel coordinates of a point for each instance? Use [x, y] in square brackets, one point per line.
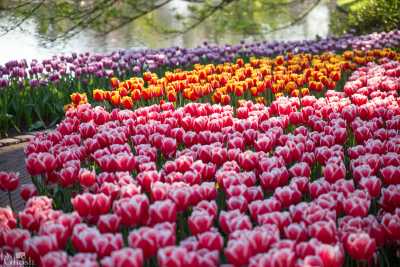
[245, 20]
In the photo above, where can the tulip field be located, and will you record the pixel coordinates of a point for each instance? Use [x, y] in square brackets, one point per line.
[32, 94]
[247, 156]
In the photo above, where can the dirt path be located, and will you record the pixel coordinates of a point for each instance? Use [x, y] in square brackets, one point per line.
[12, 158]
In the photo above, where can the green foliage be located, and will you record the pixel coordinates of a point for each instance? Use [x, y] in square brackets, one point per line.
[366, 16]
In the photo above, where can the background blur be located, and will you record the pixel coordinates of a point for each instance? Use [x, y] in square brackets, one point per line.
[40, 29]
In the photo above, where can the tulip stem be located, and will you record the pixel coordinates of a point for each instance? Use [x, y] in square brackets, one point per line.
[10, 200]
[382, 252]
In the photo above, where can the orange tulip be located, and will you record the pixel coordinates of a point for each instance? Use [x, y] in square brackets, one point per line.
[295, 93]
[240, 62]
[77, 98]
[253, 91]
[115, 98]
[147, 76]
[127, 102]
[114, 82]
[225, 99]
[123, 91]
[305, 91]
[135, 94]
[98, 95]
[171, 95]
[279, 60]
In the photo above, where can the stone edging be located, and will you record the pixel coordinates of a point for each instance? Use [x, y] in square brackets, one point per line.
[22, 138]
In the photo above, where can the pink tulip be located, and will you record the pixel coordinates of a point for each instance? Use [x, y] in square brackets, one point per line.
[360, 246]
[124, 257]
[132, 211]
[9, 181]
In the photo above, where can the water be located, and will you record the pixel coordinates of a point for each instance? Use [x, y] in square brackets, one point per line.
[27, 42]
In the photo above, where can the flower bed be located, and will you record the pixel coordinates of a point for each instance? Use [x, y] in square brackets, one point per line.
[303, 182]
[32, 94]
[260, 80]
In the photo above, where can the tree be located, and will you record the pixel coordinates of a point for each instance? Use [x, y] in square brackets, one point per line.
[62, 19]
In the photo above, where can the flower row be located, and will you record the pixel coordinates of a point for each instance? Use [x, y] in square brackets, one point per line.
[261, 80]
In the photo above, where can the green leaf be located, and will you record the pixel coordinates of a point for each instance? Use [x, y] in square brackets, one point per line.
[37, 125]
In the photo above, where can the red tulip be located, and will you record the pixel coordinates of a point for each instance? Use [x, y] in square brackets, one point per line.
[360, 246]
[106, 244]
[280, 219]
[124, 257]
[237, 252]
[59, 231]
[168, 147]
[132, 211]
[108, 223]
[274, 178]
[15, 238]
[37, 246]
[28, 191]
[87, 178]
[300, 169]
[296, 232]
[172, 257]
[9, 181]
[391, 174]
[331, 255]
[209, 206]
[237, 202]
[147, 178]
[334, 172]
[236, 143]
[87, 204]
[199, 222]
[210, 240]
[182, 196]
[55, 258]
[318, 187]
[324, 231]
[162, 211]
[287, 195]
[263, 144]
[372, 184]
[68, 176]
[259, 207]
[234, 220]
[391, 224]
[356, 206]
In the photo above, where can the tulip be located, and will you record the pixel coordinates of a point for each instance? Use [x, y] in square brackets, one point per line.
[15, 238]
[106, 244]
[162, 211]
[210, 240]
[132, 211]
[372, 184]
[334, 172]
[28, 191]
[59, 231]
[172, 256]
[108, 223]
[124, 257]
[91, 204]
[324, 231]
[391, 224]
[360, 246]
[9, 181]
[55, 258]
[39, 245]
[199, 222]
[87, 178]
[237, 252]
